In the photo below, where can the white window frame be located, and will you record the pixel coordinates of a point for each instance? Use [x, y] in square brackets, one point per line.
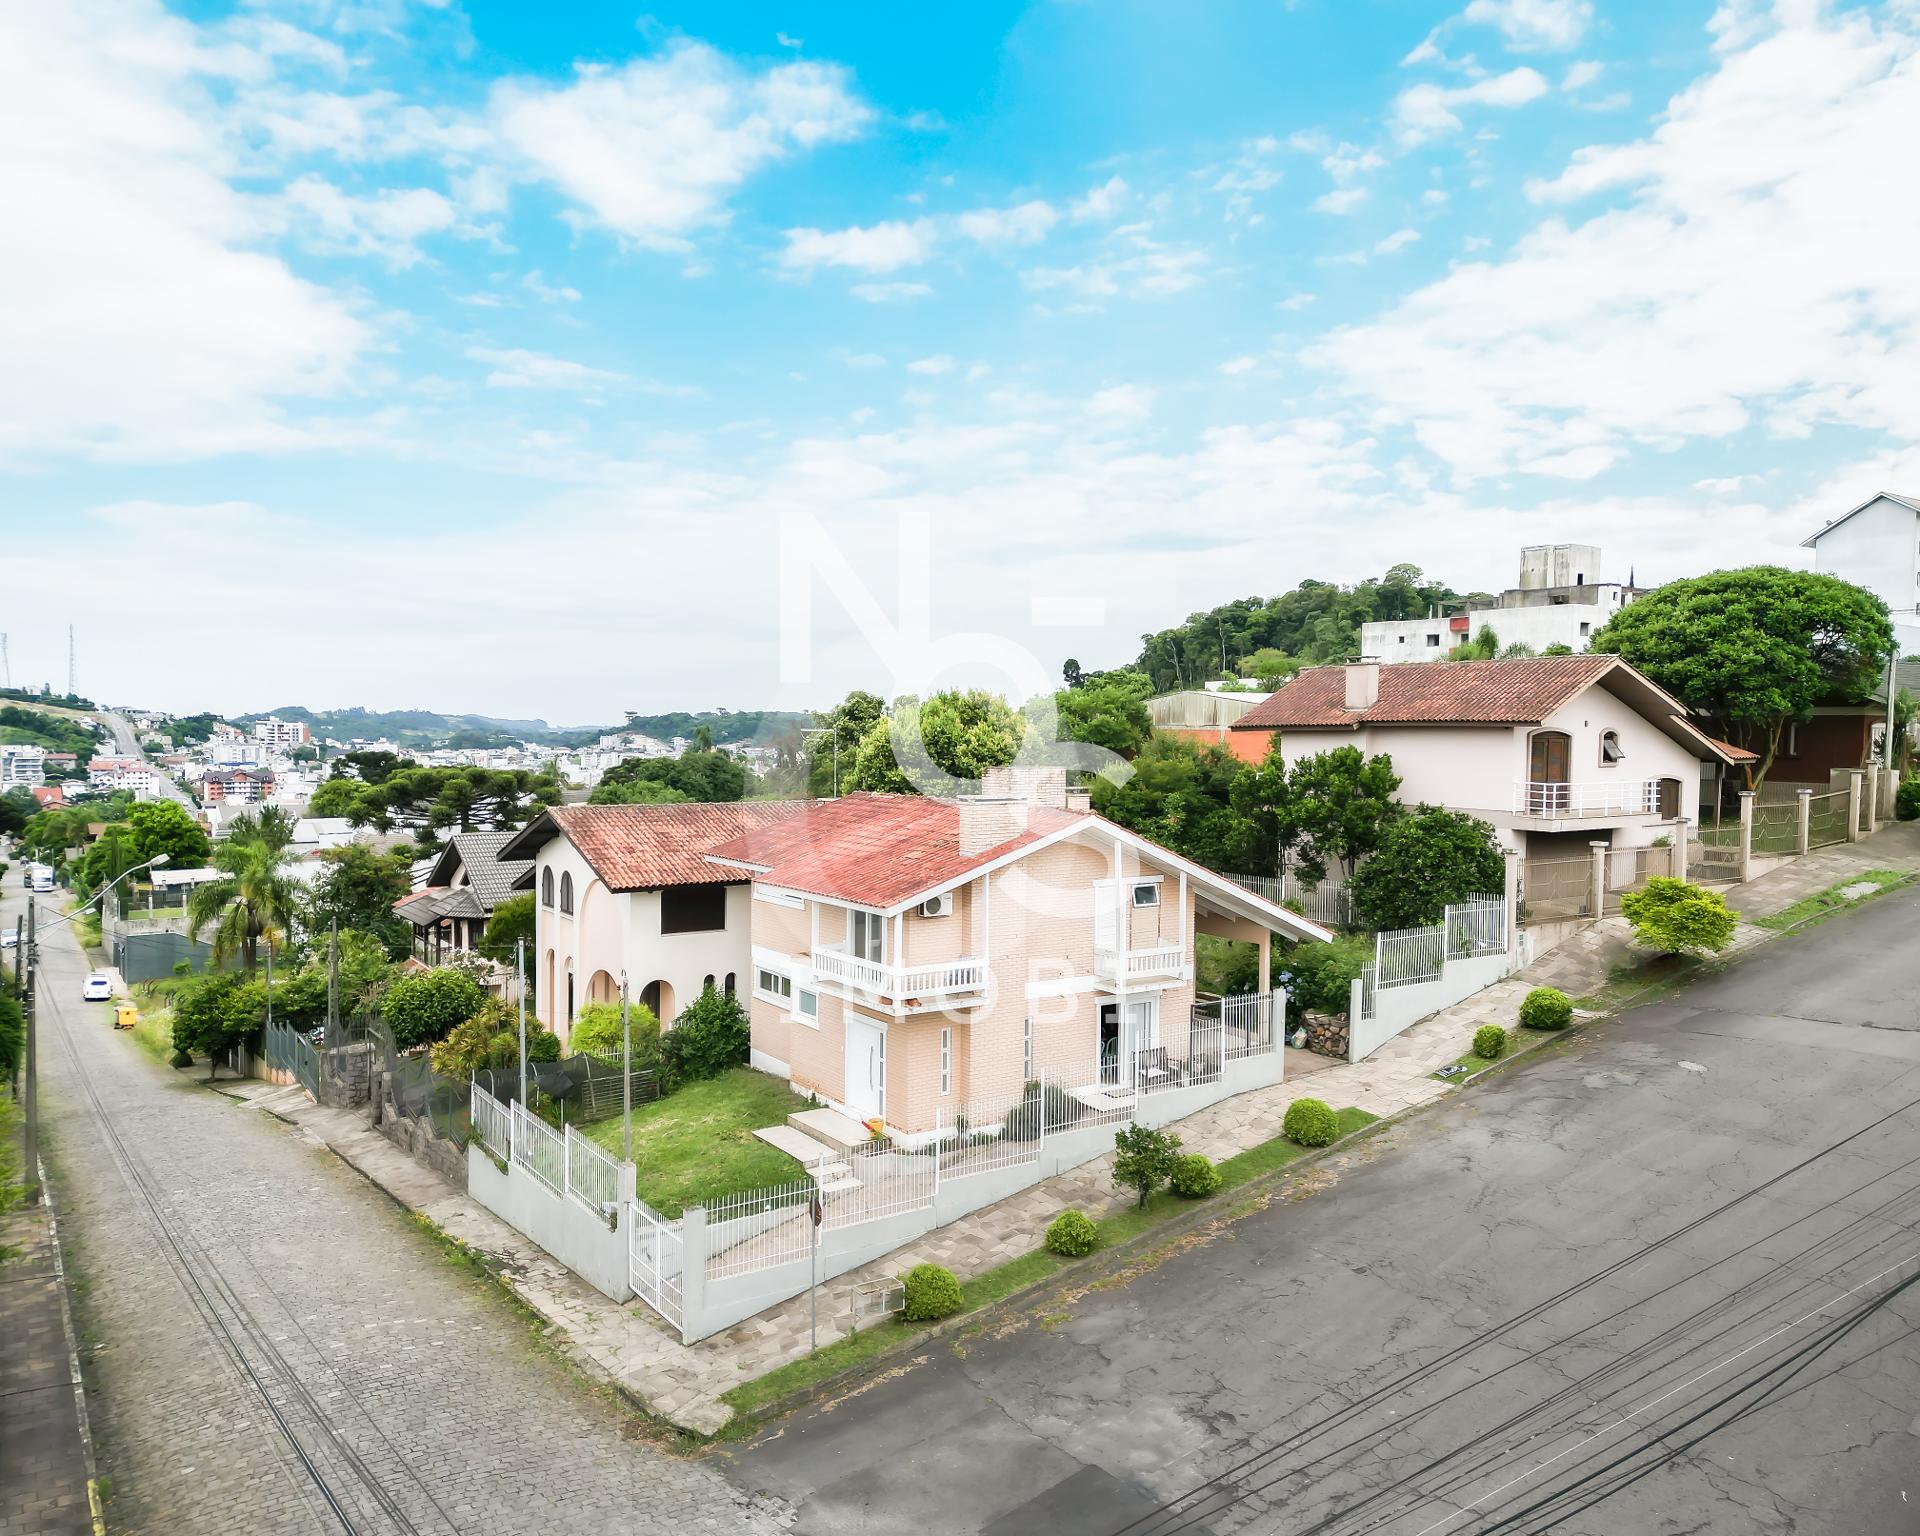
[1619, 752]
[773, 994]
[862, 922]
[1150, 889]
[801, 996]
[946, 1059]
[1026, 1049]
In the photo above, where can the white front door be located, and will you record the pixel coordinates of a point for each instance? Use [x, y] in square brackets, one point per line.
[866, 1068]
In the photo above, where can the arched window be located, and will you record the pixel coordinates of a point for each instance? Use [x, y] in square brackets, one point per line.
[563, 887]
[707, 985]
[546, 887]
[1610, 749]
[566, 892]
[729, 983]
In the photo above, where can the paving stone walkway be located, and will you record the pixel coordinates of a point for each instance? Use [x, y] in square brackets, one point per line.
[46, 1459]
[684, 1383]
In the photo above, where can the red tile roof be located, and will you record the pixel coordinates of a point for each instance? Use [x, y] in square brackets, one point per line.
[1734, 754]
[639, 847]
[1518, 692]
[876, 850]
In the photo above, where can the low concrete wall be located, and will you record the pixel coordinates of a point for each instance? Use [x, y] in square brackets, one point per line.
[586, 1242]
[1398, 1008]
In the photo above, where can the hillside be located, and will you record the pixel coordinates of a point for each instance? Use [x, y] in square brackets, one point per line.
[429, 728]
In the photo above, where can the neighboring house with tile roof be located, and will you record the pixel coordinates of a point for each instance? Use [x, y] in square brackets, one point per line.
[1876, 545]
[464, 884]
[904, 955]
[1557, 752]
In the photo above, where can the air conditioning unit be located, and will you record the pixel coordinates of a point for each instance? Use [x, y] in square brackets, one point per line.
[937, 906]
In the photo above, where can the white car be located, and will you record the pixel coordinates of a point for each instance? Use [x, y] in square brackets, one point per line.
[98, 988]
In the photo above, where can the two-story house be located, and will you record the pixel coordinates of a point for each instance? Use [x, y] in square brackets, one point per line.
[449, 913]
[1556, 752]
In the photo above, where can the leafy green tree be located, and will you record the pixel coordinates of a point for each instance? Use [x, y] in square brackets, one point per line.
[166, 826]
[255, 897]
[1263, 801]
[426, 1005]
[960, 733]
[1558, 648]
[1181, 796]
[512, 919]
[847, 725]
[1269, 667]
[694, 775]
[342, 797]
[1427, 859]
[358, 891]
[1071, 673]
[1107, 711]
[637, 792]
[1675, 918]
[596, 1028]
[1143, 1159]
[1755, 650]
[13, 1030]
[214, 1013]
[1340, 803]
[711, 1035]
[17, 808]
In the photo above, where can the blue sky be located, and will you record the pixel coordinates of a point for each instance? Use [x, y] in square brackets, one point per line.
[514, 358]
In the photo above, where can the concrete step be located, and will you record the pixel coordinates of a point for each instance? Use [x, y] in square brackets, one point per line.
[804, 1149]
[831, 1129]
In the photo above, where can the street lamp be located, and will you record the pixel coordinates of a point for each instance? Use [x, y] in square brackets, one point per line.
[31, 963]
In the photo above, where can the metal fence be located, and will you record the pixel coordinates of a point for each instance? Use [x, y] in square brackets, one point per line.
[539, 1148]
[1776, 826]
[1476, 926]
[1403, 957]
[1555, 888]
[1246, 1019]
[1409, 956]
[655, 1259]
[418, 1092]
[577, 1089]
[492, 1123]
[1329, 902]
[1826, 819]
[595, 1176]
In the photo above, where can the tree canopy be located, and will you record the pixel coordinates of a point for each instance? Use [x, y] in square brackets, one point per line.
[1108, 710]
[358, 891]
[166, 826]
[1428, 859]
[696, 774]
[255, 897]
[403, 794]
[1181, 796]
[846, 726]
[952, 735]
[1753, 650]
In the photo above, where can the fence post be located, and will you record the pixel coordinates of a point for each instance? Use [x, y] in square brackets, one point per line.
[1872, 805]
[1854, 776]
[1677, 861]
[1597, 880]
[566, 1158]
[1746, 835]
[1042, 1139]
[693, 1268]
[1803, 837]
[1510, 891]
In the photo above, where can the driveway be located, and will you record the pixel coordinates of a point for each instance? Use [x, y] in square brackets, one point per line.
[275, 1347]
[1653, 1279]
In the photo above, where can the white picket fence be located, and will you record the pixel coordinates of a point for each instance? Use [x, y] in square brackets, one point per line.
[565, 1161]
[1418, 971]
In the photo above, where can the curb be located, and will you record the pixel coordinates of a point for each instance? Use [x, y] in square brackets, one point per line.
[96, 1509]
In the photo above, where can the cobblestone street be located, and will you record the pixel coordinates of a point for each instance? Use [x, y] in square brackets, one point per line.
[418, 1395]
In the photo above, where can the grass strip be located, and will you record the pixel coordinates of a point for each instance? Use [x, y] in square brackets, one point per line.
[1824, 903]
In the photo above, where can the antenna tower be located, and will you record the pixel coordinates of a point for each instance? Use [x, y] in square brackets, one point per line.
[73, 672]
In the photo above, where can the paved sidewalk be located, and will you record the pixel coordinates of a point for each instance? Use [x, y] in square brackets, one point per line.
[684, 1383]
[46, 1455]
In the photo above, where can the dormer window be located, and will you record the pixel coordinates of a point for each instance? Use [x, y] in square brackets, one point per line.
[1610, 751]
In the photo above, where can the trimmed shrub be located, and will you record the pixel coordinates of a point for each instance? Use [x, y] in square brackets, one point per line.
[1546, 1008]
[1489, 1042]
[1906, 799]
[1310, 1123]
[931, 1292]
[1194, 1177]
[710, 1036]
[1678, 919]
[1143, 1159]
[1071, 1235]
[426, 1005]
[596, 1028]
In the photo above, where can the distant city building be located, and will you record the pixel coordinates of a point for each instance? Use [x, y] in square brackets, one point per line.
[281, 735]
[22, 766]
[122, 773]
[247, 786]
[1560, 601]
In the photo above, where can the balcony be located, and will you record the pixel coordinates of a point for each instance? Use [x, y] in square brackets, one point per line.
[1167, 961]
[1578, 802]
[944, 984]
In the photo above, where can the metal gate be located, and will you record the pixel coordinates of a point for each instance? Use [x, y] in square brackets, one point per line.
[655, 1258]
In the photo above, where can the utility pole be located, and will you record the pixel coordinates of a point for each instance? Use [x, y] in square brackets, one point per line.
[626, 1074]
[520, 965]
[30, 1168]
[73, 670]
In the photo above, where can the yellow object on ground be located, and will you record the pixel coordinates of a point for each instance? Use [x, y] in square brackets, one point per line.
[126, 1016]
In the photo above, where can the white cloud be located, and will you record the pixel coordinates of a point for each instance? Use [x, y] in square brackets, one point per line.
[139, 318]
[1103, 201]
[653, 149]
[1297, 301]
[1434, 197]
[547, 292]
[516, 368]
[1724, 485]
[877, 248]
[388, 225]
[1022, 225]
[1582, 74]
[938, 364]
[1348, 161]
[1760, 277]
[1122, 403]
[1550, 25]
[1235, 366]
[1400, 239]
[1423, 111]
[1340, 200]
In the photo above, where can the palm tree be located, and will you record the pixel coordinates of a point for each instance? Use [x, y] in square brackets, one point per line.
[254, 897]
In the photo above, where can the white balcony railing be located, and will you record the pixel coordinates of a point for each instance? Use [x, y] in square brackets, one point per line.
[1630, 797]
[944, 979]
[1140, 964]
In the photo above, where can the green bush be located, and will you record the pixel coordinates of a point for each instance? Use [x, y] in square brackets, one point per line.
[1679, 919]
[1546, 1008]
[931, 1292]
[13, 1030]
[1071, 1235]
[1194, 1177]
[426, 1006]
[1320, 976]
[1427, 859]
[1143, 1159]
[1906, 799]
[711, 1036]
[1310, 1123]
[1489, 1042]
[465, 1050]
[596, 1028]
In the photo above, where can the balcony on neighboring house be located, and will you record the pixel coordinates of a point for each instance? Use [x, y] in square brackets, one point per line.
[905, 988]
[1159, 963]
[1586, 802]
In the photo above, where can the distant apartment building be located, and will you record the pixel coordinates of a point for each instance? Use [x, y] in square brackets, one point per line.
[122, 773]
[1560, 601]
[22, 766]
[247, 786]
[281, 735]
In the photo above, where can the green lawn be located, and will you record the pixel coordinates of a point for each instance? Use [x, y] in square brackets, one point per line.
[1830, 900]
[154, 1033]
[697, 1144]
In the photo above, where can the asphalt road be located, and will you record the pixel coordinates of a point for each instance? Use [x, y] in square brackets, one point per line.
[1655, 1279]
[127, 743]
[272, 1346]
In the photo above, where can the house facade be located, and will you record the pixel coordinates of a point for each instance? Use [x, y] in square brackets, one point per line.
[1205, 716]
[1557, 752]
[244, 786]
[1876, 545]
[450, 912]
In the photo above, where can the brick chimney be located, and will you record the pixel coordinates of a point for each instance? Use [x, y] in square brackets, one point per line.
[1363, 684]
[986, 821]
[1035, 783]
